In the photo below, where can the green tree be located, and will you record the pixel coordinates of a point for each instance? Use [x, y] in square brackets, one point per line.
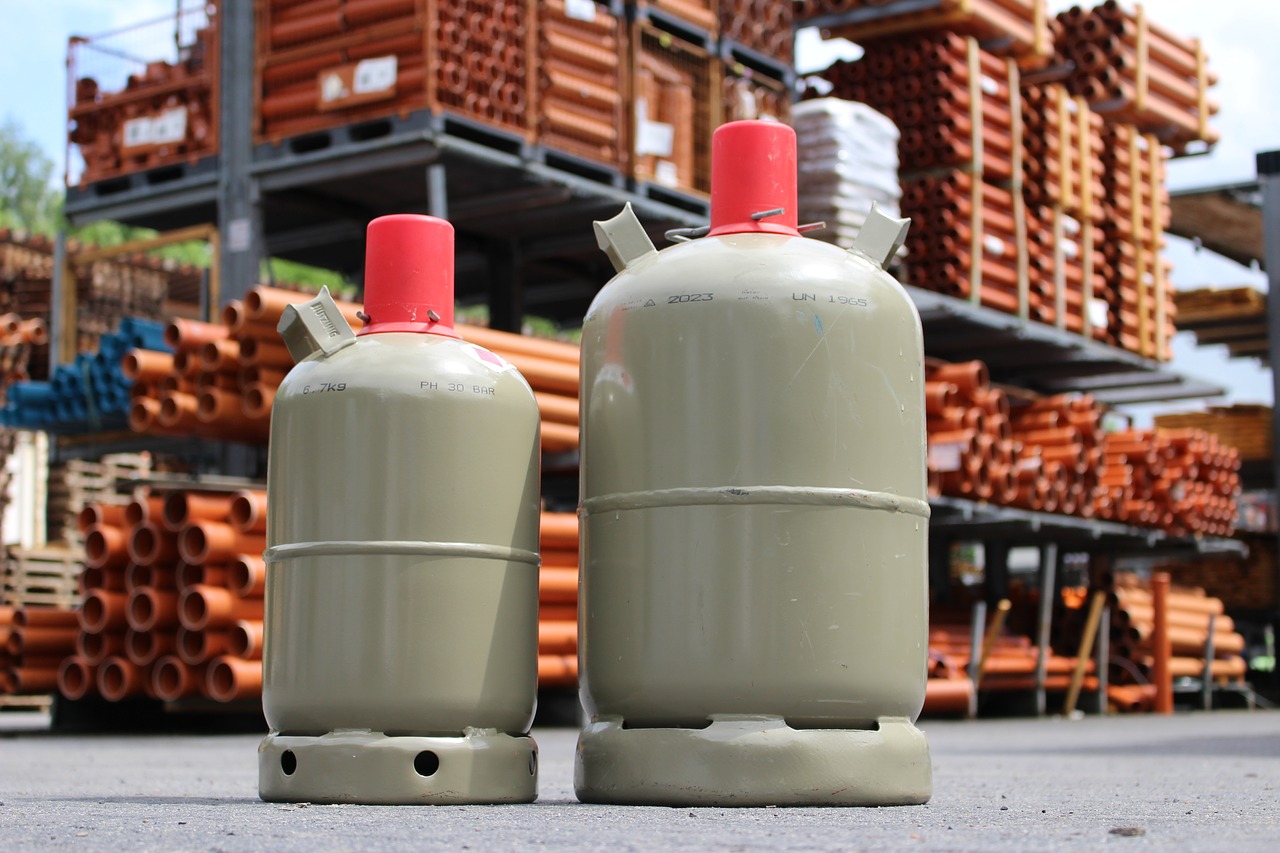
[28, 198]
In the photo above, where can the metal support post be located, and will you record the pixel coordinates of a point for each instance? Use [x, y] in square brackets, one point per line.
[1269, 179]
[1206, 680]
[939, 568]
[506, 289]
[1044, 622]
[239, 211]
[995, 563]
[437, 191]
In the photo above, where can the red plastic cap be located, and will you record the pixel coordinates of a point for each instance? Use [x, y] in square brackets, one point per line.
[408, 275]
[753, 170]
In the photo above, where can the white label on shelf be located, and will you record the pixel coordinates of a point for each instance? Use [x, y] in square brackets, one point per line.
[666, 173]
[993, 245]
[945, 457]
[582, 10]
[1097, 312]
[137, 131]
[239, 235]
[1070, 224]
[989, 85]
[169, 127]
[1070, 249]
[332, 88]
[374, 75]
[655, 137]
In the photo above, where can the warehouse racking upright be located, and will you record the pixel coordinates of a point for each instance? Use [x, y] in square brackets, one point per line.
[523, 211]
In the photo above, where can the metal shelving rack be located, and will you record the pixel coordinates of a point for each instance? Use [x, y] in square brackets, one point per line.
[525, 243]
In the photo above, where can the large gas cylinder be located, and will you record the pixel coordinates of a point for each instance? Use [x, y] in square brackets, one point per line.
[753, 612]
[400, 658]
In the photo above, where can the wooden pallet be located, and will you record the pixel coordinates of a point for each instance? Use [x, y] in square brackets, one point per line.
[41, 576]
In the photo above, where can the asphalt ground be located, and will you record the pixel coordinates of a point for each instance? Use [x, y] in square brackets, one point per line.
[1192, 781]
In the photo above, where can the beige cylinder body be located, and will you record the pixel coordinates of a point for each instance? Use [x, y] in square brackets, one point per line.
[402, 563]
[754, 515]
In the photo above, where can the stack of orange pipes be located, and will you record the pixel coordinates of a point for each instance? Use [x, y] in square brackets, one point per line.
[1141, 306]
[223, 378]
[1182, 480]
[763, 26]
[1062, 184]
[581, 102]
[1011, 660]
[1019, 26]
[1189, 611]
[165, 113]
[173, 599]
[1128, 67]
[958, 109]
[558, 601]
[1051, 455]
[33, 642]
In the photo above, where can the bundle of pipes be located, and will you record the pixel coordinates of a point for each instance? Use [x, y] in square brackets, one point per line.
[558, 600]
[1190, 617]
[1006, 662]
[971, 451]
[1017, 28]
[763, 26]
[701, 14]
[483, 49]
[847, 161]
[33, 642]
[166, 114]
[1062, 184]
[1058, 454]
[173, 599]
[672, 96]
[222, 378]
[1137, 71]
[1182, 480]
[91, 394]
[581, 105]
[1141, 307]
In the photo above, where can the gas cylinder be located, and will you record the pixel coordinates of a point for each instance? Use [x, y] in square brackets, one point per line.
[400, 651]
[753, 599]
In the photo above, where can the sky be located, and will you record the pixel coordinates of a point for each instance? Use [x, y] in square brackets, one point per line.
[1241, 39]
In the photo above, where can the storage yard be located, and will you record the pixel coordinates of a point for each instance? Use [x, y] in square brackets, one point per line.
[1089, 569]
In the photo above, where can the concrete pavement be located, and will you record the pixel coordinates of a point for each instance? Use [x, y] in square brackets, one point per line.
[1204, 781]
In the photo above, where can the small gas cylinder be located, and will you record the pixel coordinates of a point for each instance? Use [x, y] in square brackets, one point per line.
[400, 656]
[753, 602]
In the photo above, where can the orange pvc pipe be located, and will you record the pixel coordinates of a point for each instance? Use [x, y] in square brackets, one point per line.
[183, 508]
[106, 547]
[142, 365]
[248, 576]
[197, 647]
[221, 355]
[544, 374]
[44, 617]
[144, 647]
[1161, 676]
[95, 647]
[213, 574]
[172, 679]
[557, 637]
[100, 513]
[76, 678]
[258, 399]
[33, 641]
[150, 544]
[558, 530]
[558, 438]
[202, 607]
[557, 670]
[267, 304]
[557, 408]
[104, 610]
[32, 681]
[248, 512]
[558, 585]
[254, 352]
[120, 678]
[245, 640]
[189, 335]
[214, 542]
[564, 558]
[153, 609]
[509, 343]
[228, 679]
